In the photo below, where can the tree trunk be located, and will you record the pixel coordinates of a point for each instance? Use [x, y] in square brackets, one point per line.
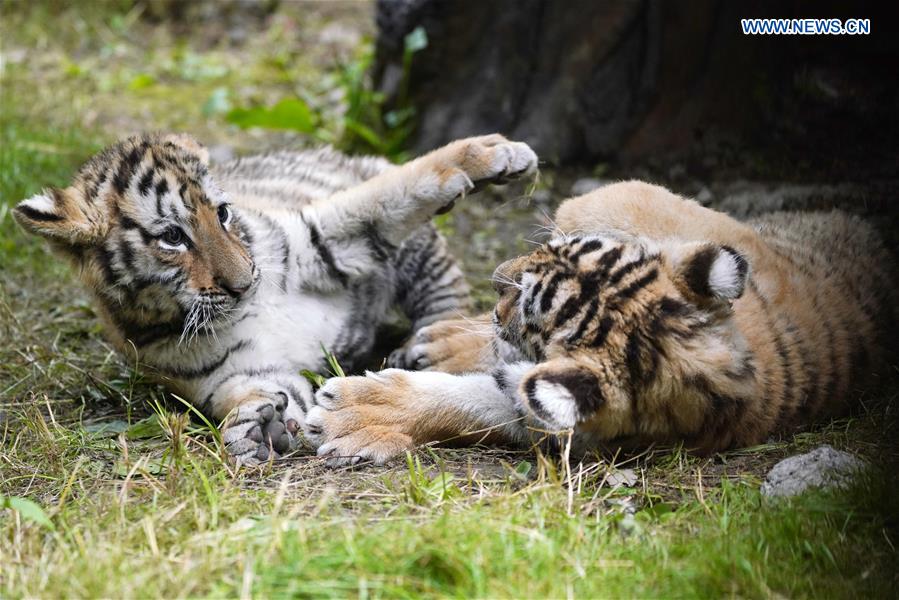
[583, 80]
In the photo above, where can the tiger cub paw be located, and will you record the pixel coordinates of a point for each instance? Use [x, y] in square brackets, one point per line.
[261, 429]
[358, 418]
[450, 346]
[470, 164]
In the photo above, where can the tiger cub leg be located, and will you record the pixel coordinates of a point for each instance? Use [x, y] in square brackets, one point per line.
[430, 283]
[392, 204]
[382, 415]
[261, 418]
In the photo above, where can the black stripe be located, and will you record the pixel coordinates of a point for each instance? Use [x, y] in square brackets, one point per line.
[143, 186]
[696, 273]
[530, 390]
[95, 187]
[325, 253]
[128, 164]
[36, 215]
[127, 254]
[633, 357]
[606, 262]
[104, 257]
[619, 274]
[528, 307]
[379, 245]
[631, 289]
[588, 246]
[162, 188]
[129, 223]
[588, 317]
[499, 376]
[208, 368]
[546, 300]
[602, 332]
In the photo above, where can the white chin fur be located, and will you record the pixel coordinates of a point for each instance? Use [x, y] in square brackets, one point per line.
[724, 277]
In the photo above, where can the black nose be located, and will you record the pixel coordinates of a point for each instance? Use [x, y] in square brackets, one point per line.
[234, 289]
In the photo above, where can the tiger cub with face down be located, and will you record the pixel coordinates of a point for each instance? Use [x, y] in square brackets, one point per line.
[652, 320]
[227, 281]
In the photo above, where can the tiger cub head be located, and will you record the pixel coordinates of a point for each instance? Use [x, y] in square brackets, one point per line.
[633, 313]
[152, 235]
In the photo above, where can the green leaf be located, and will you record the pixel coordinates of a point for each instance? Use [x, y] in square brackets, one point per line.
[523, 469]
[416, 40]
[658, 510]
[314, 378]
[142, 81]
[366, 133]
[107, 428]
[145, 429]
[290, 113]
[28, 510]
[152, 466]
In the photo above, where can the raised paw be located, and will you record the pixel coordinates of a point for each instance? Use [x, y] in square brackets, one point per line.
[450, 346]
[260, 429]
[468, 165]
[494, 159]
[359, 418]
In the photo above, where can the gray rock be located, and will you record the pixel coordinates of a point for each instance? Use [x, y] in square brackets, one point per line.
[704, 196]
[823, 467]
[542, 197]
[585, 185]
[622, 477]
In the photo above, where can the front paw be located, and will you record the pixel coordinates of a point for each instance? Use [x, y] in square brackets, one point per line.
[470, 164]
[260, 429]
[450, 346]
[494, 159]
[358, 418]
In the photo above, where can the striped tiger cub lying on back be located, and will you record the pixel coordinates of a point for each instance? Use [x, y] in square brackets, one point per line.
[653, 320]
[227, 281]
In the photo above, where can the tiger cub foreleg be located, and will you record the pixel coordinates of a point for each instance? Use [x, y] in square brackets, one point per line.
[464, 345]
[389, 207]
[381, 415]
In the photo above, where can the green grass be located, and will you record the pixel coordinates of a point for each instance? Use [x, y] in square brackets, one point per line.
[134, 499]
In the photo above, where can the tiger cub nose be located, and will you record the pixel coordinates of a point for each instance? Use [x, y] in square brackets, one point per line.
[505, 277]
[233, 288]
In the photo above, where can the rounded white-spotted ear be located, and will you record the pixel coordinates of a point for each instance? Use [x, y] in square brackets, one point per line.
[561, 393]
[62, 216]
[712, 271]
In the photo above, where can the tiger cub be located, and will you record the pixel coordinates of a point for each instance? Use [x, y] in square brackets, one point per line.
[227, 281]
[653, 320]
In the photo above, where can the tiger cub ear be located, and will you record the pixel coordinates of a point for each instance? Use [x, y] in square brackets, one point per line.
[187, 142]
[562, 393]
[62, 216]
[711, 271]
